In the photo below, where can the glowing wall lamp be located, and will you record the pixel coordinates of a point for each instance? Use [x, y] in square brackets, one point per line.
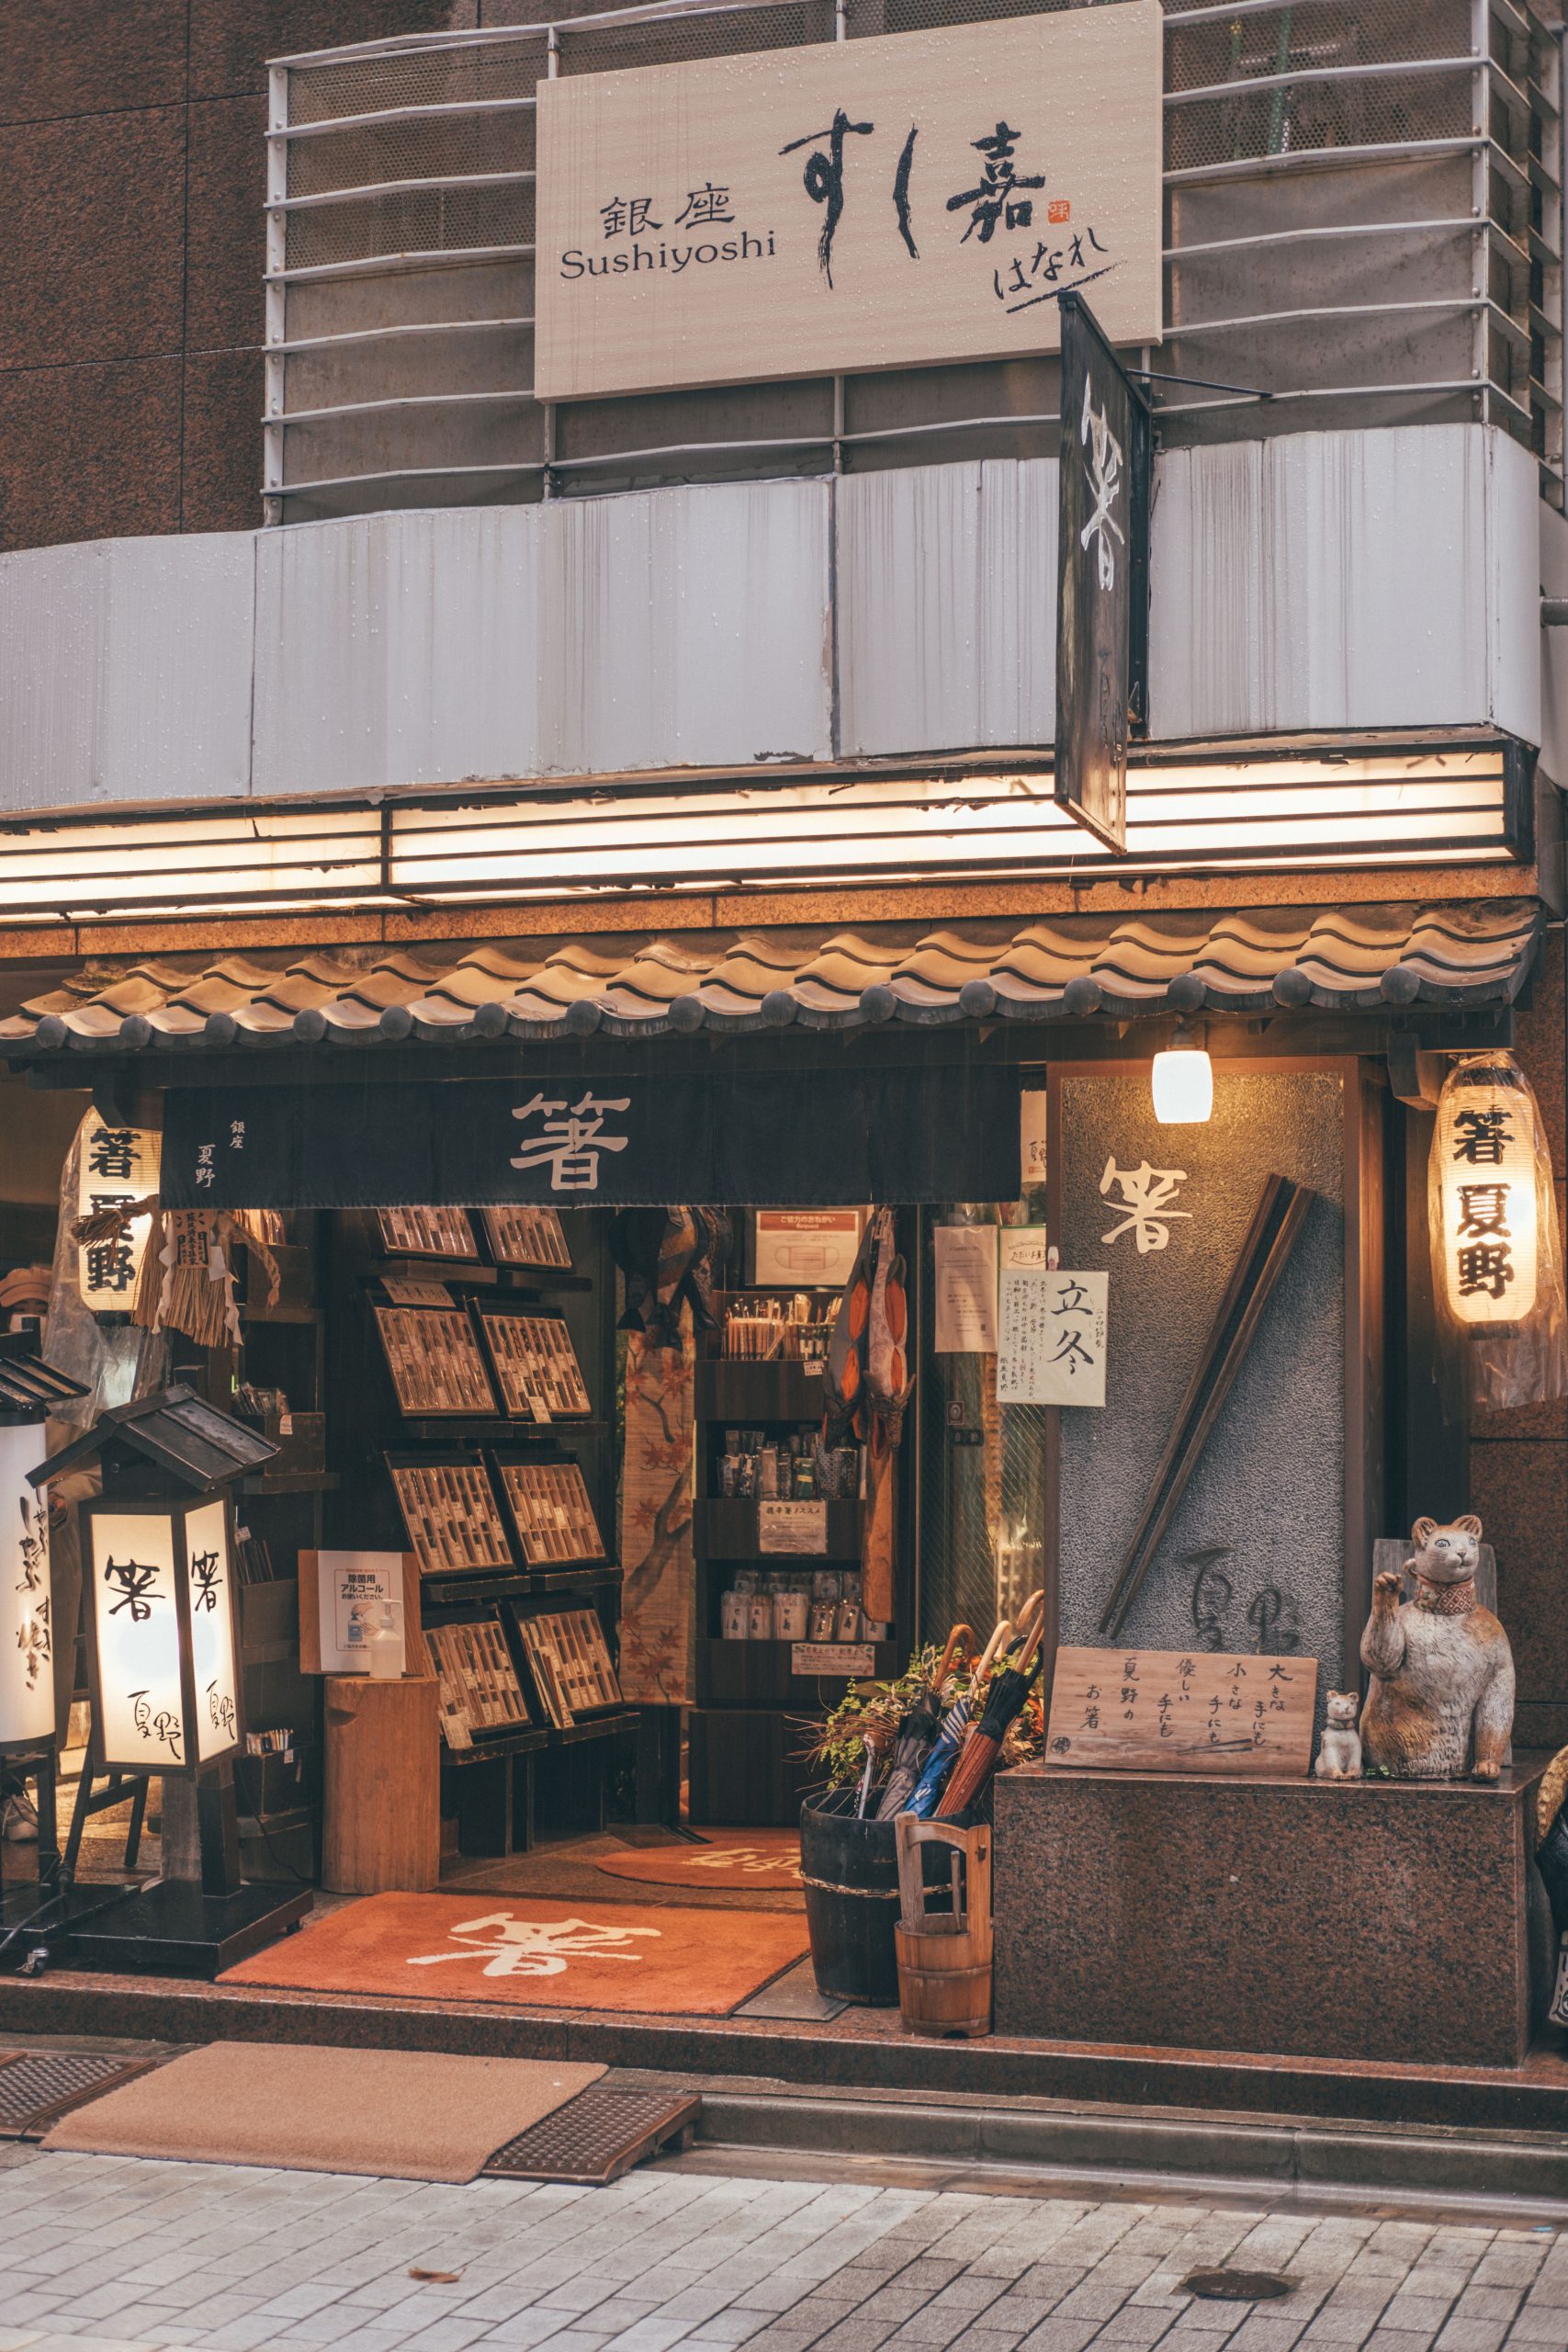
[1483, 1167]
[29, 1390]
[1183, 1081]
[1497, 1269]
[163, 1672]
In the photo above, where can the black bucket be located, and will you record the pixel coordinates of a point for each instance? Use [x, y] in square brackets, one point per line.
[849, 1871]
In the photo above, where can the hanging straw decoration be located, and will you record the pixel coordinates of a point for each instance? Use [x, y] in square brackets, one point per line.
[188, 1278]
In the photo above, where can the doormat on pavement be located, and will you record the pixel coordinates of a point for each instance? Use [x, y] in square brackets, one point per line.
[731, 1857]
[535, 1952]
[398, 2114]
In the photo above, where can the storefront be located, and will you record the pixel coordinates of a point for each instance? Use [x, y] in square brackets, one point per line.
[434, 1190]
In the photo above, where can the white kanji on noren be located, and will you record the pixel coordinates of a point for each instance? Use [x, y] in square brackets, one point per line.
[514, 1947]
[570, 1139]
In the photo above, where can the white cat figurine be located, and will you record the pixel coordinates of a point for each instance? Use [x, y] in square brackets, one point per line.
[1340, 1753]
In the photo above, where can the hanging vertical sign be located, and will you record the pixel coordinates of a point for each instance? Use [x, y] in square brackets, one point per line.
[27, 1641]
[119, 1166]
[1102, 575]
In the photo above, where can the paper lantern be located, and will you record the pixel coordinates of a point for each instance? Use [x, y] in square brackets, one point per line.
[1183, 1082]
[161, 1654]
[118, 1166]
[27, 1634]
[1485, 1174]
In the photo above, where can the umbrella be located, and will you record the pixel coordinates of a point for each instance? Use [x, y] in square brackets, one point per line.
[877, 1736]
[956, 1723]
[919, 1728]
[1004, 1705]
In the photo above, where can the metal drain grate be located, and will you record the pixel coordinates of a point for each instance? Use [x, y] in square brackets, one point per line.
[36, 2087]
[596, 2136]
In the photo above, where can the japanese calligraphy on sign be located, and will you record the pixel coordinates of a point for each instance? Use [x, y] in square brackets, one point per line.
[1052, 1348]
[1169, 1711]
[27, 1645]
[1102, 579]
[118, 1165]
[1484, 1155]
[886, 202]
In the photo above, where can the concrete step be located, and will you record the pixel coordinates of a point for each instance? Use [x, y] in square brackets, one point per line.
[1129, 2145]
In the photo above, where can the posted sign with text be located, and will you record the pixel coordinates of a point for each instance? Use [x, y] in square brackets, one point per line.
[890, 202]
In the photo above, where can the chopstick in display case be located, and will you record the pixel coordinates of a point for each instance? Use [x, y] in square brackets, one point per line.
[551, 1511]
[434, 1360]
[450, 1511]
[527, 1236]
[534, 1359]
[427, 1233]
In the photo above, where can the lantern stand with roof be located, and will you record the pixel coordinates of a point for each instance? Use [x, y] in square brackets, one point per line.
[164, 1677]
[29, 1391]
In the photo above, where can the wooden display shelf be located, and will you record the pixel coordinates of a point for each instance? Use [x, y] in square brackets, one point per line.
[482, 1429]
[756, 1674]
[603, 1725]
[726, 1529]
[464, 1273]
[511, 1740]
[734, 1390]
[293, 1482]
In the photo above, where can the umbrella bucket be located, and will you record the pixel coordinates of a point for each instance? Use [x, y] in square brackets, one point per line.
[943, 1934]
[849, 1870]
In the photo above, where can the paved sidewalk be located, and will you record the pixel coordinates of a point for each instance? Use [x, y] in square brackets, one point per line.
[99, 2252]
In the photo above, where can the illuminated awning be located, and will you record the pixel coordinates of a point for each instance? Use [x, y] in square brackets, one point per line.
[1474, 953]
[1442, 804]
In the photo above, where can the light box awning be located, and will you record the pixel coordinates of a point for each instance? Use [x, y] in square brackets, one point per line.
[1473, 953]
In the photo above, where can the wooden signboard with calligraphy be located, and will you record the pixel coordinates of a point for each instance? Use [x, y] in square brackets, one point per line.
[1193, 1711]
[890, 202]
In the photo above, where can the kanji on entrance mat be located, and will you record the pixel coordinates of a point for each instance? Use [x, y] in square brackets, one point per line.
[536, 1953]
[726, 1858]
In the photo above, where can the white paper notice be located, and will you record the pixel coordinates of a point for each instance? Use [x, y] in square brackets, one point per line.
[355, 1587]
[966, 1290]
[1031, 1135]
[1052, 1328]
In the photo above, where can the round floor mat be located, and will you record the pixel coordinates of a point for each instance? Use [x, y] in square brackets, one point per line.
[730, 1858]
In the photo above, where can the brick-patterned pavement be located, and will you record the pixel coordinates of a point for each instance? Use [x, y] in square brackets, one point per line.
[102, 2254]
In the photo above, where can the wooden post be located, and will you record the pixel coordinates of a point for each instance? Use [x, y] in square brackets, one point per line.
[382, 1824]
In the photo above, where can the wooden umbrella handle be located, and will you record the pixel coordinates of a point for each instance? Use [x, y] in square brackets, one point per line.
[1030, 1622]
[988, 1655]
[961, 1637]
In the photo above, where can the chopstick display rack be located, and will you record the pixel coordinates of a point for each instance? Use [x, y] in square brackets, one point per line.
[495, 1458]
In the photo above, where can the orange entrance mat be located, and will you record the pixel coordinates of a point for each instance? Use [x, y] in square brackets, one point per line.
[731, 1858]
[536, 1953]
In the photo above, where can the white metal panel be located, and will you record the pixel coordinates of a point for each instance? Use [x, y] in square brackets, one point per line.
[396, 649]
[1323, 580]
[685, 627]
[947, 614]
[1514, 513]
[125, 671]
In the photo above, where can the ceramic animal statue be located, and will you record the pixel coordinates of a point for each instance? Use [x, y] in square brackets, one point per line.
[1441, 1702]
[1339, 1751]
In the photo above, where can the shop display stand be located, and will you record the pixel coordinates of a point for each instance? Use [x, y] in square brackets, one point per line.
[514, 1781]
[748, 1726]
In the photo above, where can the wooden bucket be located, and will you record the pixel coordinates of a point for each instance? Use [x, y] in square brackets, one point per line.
[944, 1953]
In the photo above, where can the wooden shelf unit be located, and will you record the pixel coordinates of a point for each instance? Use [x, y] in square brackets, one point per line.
[746, 1729]
[511, 1779]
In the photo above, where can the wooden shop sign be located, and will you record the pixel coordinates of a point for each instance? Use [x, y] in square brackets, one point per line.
[890, 202]
[1182, 1711]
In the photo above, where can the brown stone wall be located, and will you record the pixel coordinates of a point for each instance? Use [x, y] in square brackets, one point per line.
[1519, 1462]
[133, 174]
